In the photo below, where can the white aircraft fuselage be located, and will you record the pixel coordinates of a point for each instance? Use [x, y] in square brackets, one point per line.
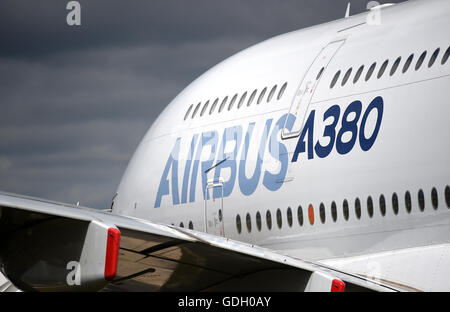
[354, 174]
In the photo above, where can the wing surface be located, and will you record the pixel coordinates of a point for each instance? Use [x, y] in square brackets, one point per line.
[48, 246]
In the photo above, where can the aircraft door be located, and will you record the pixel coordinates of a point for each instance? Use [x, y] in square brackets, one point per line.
[305, 91]
[214, 208]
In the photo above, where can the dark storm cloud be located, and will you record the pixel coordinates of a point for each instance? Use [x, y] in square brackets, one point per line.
[125, 23]
[103, 83]
[40, 28]
[75, 101]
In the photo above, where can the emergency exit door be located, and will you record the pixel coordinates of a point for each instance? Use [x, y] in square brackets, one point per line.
[305, 91]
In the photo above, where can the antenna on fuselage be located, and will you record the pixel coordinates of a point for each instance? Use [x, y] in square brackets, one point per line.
[347, 12]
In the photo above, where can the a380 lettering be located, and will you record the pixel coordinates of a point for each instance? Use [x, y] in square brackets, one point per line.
[348, 125]
[217, 154]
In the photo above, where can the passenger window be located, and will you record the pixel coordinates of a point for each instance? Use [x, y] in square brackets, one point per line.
[238, 224]
[279, 219]
[345, 209]
[433, 57]
[408, 63]
[250, 100]
[382, 205]
[395, 66]
[320, 73]
[334, 211]
[204, 108]
[181, 225]
[370, 206]
[300, 212]
[358, 74]
[258, 221]
[335, 79]
[289, 216]
[230, 106]
[447, 196]
[224, 101]
[408, 204]
[382, 69]
[191, 226]
[311, 214]
[358, 208]
[188, 111]
[280, 94]
[248, 219]
[241, 101]
[445, 57]
[421, 199]
[261, 96]
[322, 212]
[213, 106]
[346, 76]
[395, 203]
[269, 220]
[269, 98]
[434, 198]
[195, 110]
[420, 60]
[370, 71]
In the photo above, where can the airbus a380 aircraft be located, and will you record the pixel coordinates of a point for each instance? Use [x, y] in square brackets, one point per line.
[317, 160]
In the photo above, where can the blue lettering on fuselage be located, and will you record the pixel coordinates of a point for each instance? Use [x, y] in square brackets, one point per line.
[206, 154]
[171, 165]
[226, 160]
[278, 151]
[249, 185]
[208, 139]
[230, 135]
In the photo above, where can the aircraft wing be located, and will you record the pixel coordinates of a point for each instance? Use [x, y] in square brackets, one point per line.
[48, 246]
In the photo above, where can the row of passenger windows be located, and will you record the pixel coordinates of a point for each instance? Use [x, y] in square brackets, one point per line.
[345, 210]
[240, 103]
[345, 79]
[383, 67]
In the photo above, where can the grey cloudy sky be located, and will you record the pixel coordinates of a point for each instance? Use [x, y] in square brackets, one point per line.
[76, 100]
